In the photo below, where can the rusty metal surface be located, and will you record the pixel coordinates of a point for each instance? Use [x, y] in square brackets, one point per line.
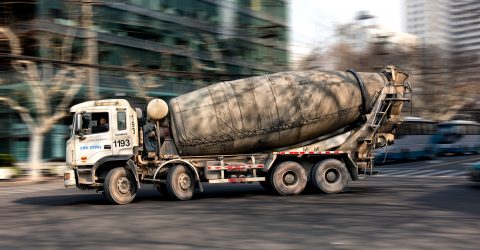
[266, 112]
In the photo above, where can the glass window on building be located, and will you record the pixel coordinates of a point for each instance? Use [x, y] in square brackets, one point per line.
[181, 63]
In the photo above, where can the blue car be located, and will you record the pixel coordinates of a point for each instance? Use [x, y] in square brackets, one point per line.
[475, 172]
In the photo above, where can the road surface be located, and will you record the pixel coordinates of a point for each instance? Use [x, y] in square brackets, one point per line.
[412, 205]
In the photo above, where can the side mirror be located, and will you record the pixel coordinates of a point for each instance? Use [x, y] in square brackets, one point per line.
[78, 124]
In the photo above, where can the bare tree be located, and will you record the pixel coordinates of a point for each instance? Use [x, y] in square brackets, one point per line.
[342, 56]
[312, 61]
[45, 112]
[142, 84]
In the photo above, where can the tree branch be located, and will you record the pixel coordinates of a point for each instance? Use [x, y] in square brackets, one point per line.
[57, 81]
[136, 82]
[47, 124]
[32, 77]
[22, 111]
[12, 40]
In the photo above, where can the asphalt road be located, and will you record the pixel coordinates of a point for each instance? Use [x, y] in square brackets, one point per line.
[410, 205]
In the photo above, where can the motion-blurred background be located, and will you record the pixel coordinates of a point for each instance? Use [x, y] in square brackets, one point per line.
[56, 53]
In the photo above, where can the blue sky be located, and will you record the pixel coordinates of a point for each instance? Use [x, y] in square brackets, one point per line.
[313, 21]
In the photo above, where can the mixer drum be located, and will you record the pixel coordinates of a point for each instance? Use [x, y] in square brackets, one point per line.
[267, 112]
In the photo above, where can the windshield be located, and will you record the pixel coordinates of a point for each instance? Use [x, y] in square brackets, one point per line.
[94, 123]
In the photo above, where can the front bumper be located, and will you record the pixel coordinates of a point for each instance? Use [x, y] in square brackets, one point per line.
[69, 178]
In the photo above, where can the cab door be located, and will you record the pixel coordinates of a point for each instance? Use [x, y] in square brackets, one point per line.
[96, 140]
[122, 141]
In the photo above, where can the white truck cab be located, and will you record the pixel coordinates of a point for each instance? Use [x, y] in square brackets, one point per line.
[103, 131]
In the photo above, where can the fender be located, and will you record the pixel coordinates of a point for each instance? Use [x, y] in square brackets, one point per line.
[109, 158]
[131, 165]
[352, 167]
[197, 176]
[270, 160]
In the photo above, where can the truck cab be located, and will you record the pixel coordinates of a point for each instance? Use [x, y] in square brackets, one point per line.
[104, 135]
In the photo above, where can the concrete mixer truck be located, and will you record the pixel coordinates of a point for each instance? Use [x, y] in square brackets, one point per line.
[285, 130]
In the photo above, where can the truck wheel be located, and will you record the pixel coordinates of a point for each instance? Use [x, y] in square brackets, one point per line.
[180, 183]
[161, 188]
[330, 176]
[266, 185]
[120, 186]
[288, 178]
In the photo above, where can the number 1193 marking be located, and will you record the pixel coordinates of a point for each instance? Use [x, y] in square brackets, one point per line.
[121, 143]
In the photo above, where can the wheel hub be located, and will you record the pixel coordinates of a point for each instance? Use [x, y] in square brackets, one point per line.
[184, 181]
[289, 178]
[331, 176]
[123, 185]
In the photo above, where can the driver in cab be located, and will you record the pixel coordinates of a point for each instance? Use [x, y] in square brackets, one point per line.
[102, 127]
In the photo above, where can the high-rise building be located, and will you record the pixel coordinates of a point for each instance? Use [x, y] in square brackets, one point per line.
[465, 27]
[449, 24]
[181, 45]
[449, 31]
[429, 21]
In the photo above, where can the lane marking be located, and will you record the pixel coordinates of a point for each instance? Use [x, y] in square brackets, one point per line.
[426, 173]
[389, 171]
[452, 163]
[441, 173]
[397, 172]
[441, 162]
[418, 173]
[461, 173]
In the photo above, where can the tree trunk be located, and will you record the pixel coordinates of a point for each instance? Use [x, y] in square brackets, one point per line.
[35, 155]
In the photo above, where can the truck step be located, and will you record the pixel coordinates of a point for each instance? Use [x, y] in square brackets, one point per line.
[337, 152]
[236, 167]
[237, 180]
[397, 99]
[154, 180]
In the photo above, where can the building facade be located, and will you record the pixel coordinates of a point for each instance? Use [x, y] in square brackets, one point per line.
[451, 25]
[465, 28]
[449, 32]
[179, 46]
[429, 21]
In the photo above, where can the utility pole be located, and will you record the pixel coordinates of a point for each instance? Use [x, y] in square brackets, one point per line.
[91, 47]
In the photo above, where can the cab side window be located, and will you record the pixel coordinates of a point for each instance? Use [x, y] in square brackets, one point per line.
[121, 121]
[100, 122]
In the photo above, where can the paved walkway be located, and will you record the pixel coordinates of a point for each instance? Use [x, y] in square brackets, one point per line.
[24, 181]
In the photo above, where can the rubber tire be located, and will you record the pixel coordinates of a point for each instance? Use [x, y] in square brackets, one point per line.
[266, 185]
[161, 188]
[318, 176]
[111, 191]
[174, 191]
[276, 178]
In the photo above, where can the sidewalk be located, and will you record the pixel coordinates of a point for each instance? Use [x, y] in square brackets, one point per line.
[24, 181]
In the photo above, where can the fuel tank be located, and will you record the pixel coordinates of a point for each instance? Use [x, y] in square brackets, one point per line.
[272, 111]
